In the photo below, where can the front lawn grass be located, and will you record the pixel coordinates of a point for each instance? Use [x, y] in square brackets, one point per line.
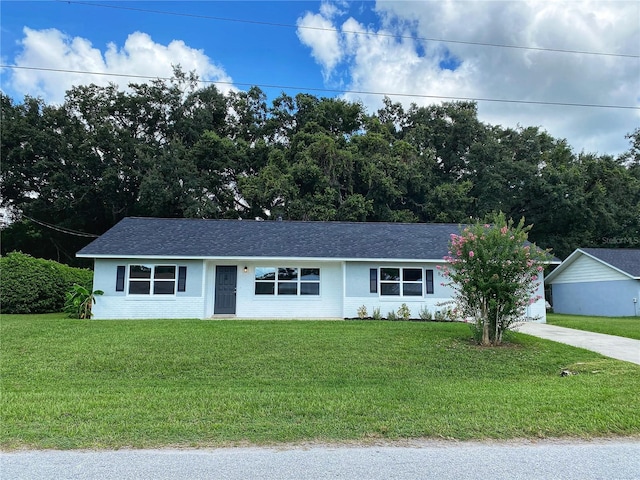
[109, 384]
[621, 326]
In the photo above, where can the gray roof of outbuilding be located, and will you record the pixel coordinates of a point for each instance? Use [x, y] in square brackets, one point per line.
[193, 238]
[625, 259]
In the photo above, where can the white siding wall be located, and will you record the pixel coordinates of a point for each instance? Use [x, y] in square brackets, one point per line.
[118, 305]
[344, 287]
[586, 269]
[326, 305]
[134, 308]
[538, 310]
[357, 291]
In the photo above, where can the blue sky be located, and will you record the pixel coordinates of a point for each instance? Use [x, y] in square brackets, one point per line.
[395, 53]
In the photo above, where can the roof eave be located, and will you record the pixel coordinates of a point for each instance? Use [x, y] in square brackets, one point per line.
[259, 258]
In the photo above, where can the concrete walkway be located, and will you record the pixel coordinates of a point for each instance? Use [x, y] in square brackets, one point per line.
[620, 348]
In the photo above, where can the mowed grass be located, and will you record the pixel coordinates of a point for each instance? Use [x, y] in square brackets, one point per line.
[109, 384]
[621, 326]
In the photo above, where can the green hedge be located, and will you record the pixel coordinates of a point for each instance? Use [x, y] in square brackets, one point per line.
[35, 285]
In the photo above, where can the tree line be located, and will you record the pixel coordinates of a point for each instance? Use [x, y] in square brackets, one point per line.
[170, 148]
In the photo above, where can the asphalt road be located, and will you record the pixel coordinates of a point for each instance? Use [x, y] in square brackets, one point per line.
[525, 460]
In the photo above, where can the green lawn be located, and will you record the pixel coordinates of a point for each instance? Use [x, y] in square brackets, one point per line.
[108, 384]
[621, 326]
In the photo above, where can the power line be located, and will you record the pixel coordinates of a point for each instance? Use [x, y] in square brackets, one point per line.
[61, 229]
[330, 90]
[351, 32]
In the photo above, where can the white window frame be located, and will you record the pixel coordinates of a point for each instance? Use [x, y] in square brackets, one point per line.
[401, 282]
[299, 281]
[152, 280]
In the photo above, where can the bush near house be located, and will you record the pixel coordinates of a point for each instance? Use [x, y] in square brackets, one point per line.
[35, 285]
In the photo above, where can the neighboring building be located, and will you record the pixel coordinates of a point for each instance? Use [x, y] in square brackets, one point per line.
[597, 281]
[188, 268]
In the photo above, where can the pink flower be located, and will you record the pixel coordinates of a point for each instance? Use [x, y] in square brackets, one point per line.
[471, 254]
[503, 230]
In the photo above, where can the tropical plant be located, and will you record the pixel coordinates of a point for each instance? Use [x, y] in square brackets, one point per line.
[79, 301]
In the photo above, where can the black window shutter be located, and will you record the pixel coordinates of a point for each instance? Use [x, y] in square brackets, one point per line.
[373, 280]
[182, 279]
[120, 278]
[429, 281]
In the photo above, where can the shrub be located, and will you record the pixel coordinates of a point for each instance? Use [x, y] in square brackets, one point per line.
[404, 312]
[425, 314]
[362, 312]
[494, 274]
[35, 285]
[376, 314]
[392, 316]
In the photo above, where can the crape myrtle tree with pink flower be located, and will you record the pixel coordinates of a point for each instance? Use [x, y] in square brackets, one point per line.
[495, 274]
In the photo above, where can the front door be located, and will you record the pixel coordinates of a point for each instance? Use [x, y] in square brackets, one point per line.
[225, 296]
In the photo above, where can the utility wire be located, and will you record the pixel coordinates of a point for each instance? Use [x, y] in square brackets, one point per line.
[351, 32]
[330, 90]
[61, 229]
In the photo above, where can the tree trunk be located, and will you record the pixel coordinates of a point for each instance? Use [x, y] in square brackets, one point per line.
[486, 341]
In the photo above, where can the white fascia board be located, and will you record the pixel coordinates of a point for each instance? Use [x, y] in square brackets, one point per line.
[264, 259]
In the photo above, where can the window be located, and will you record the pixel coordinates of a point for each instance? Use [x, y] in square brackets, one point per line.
[153, 279]
[406, 282]
[287, 281]
[390, 281]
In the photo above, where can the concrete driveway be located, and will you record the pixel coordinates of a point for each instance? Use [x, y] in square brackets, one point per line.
[620, 348]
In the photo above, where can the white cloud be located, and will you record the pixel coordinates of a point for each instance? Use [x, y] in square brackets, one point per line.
[317, 31]
[139, 55]
[412, 65]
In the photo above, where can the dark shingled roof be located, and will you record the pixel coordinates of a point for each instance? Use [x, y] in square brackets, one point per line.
[625, 259]
[164, 237]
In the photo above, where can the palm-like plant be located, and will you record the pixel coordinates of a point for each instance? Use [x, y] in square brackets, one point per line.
[79, 300]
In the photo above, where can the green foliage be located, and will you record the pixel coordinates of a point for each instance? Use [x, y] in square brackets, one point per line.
[35, 285]
[362, 312]
[445, 315]
[392, 316]
[495, 275]
[376, 314]
[169, 148]
[404, 312]
[78, 301]
[425, 314]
